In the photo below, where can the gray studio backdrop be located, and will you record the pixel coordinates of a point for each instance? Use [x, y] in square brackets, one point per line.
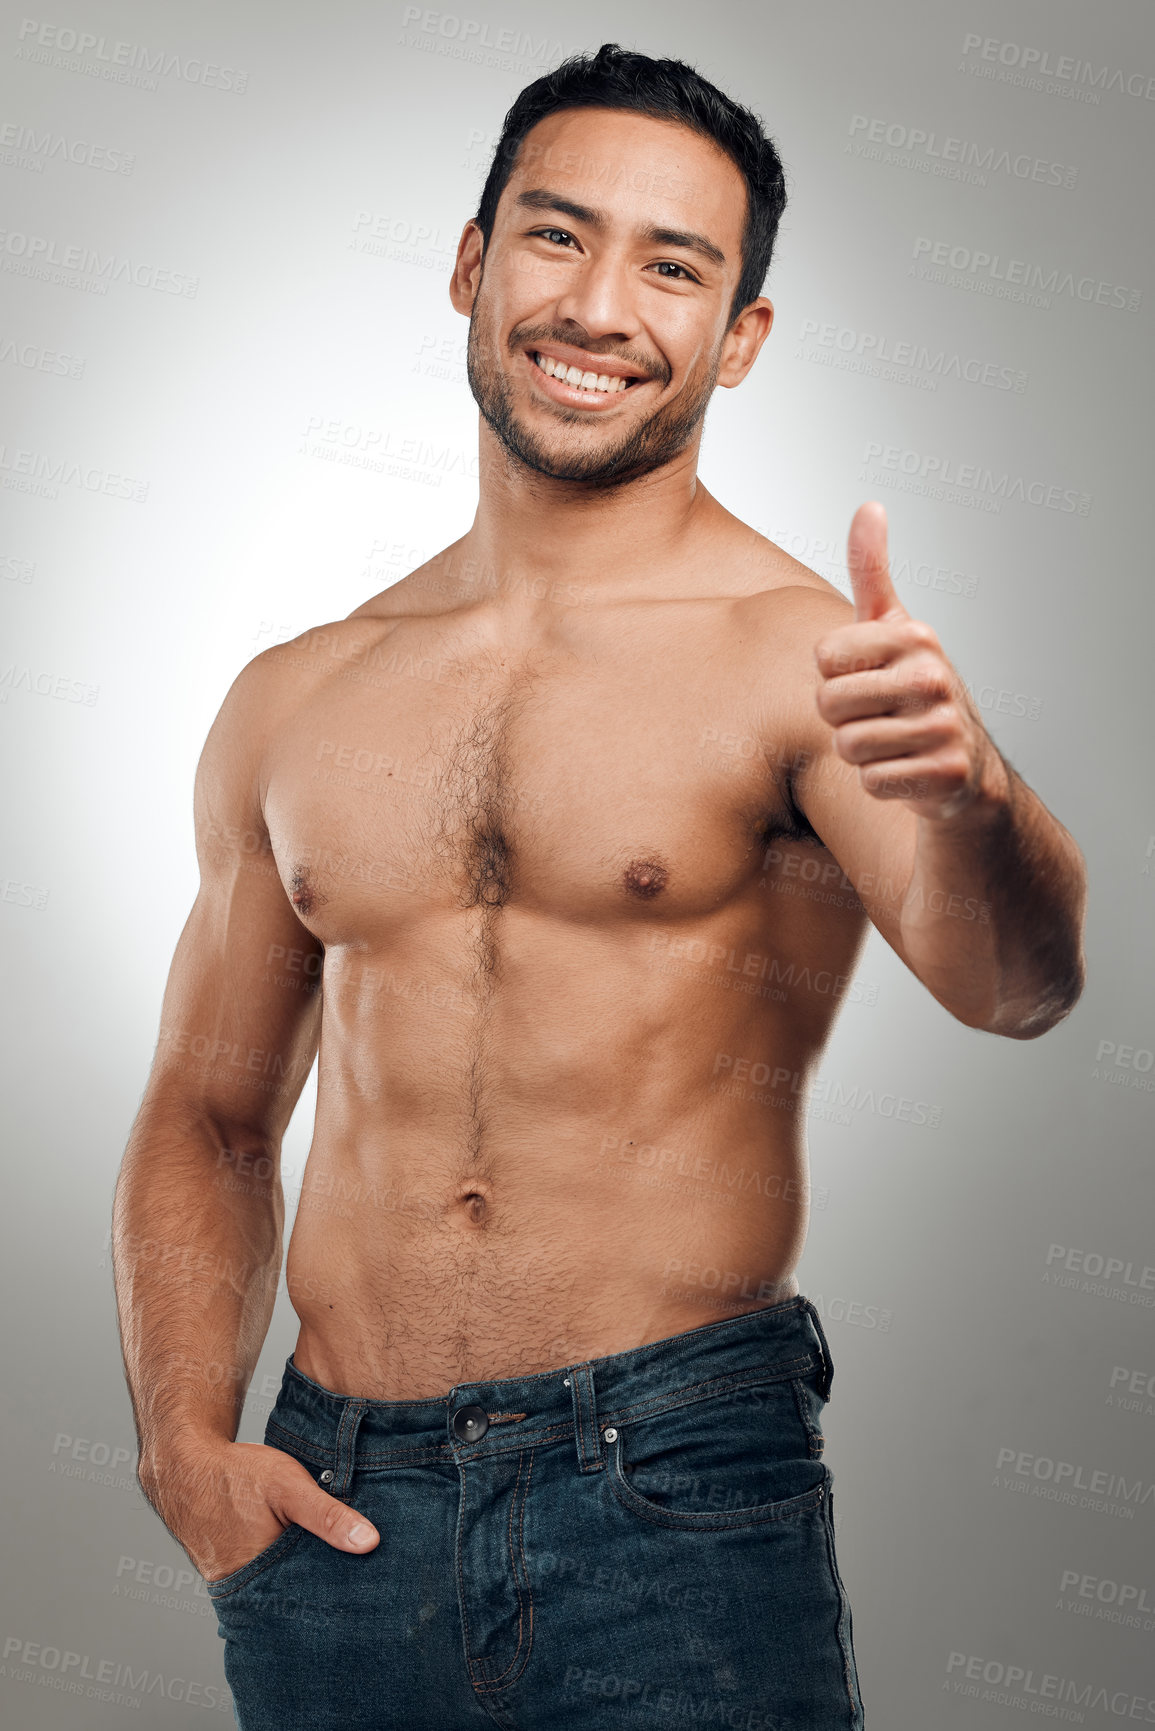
[234, 406]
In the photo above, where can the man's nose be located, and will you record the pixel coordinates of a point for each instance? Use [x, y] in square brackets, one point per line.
[598, 297]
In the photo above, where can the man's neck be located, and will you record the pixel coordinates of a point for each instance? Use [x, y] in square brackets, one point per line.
[533, 530]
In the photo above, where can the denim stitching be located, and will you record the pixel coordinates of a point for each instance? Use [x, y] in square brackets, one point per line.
[337, 1452]
[300, 1445]
[267, 1564]
[346, 1458]
[707, 1522]
[706, 1390]
[585, 1414]
[471, 1663]
[814, 1437]
[651, 1407]
[519, 1506]
[856, 1712]
[824, 1349]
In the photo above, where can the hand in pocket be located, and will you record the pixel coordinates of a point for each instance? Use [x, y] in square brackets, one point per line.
[225, 1503]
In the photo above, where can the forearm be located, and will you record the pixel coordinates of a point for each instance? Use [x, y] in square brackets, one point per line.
[992, 917]
[196, 1264]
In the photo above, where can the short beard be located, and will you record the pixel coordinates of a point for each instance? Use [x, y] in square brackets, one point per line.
[647, 447]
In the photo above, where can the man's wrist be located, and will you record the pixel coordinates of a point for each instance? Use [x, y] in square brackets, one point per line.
[992, 800]
[179, 1450]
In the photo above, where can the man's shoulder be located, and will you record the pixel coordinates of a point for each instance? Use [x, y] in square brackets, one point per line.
[317, 651]
[776, 622]
[783, 598]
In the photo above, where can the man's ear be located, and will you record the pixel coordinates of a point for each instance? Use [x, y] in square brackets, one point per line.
[743, 340]
[467, 269]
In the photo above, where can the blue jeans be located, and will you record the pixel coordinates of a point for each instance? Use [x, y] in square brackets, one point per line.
[642, 1540]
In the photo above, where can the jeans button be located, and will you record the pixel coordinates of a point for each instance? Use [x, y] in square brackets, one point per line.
[470, 1423]
[327, 1476]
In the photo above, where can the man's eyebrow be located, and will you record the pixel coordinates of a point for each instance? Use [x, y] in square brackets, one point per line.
[540, 198]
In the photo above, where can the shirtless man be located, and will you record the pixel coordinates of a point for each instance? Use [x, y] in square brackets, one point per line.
[586, 820]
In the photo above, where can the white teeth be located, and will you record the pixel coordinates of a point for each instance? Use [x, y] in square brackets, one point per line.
[605, 382]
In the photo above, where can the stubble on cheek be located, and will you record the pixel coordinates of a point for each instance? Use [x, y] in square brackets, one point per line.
[635, 450]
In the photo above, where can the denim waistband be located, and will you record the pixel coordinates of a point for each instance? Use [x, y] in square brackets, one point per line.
[340, 1434]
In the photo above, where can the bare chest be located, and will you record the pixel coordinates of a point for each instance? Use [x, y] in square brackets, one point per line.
[426, 776]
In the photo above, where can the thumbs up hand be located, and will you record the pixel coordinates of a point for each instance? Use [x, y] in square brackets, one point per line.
[898, 709]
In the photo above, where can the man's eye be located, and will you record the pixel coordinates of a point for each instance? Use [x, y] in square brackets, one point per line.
[554, 234]
[668, 264]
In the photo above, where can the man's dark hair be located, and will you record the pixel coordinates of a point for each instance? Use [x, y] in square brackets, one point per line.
[668, 90]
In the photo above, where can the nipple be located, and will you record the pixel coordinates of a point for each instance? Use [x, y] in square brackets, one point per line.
[301, 893]
[645, 878]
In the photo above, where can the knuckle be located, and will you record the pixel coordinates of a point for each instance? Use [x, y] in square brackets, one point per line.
[918, 634]
[334, 1517]
[927, 666]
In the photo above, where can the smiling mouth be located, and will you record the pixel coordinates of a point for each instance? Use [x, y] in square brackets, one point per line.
[604, 384]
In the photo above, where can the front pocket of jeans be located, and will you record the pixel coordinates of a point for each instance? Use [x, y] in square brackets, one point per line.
[728, 1461]
[272, 1554]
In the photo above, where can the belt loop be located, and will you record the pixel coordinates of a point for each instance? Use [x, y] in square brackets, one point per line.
[585, 1416]
[351, 1416]
[824, 1347]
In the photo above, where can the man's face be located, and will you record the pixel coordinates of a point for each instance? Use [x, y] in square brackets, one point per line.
[616, 251]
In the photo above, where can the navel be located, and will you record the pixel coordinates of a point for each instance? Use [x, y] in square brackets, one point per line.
[645, 878]
[474, 1205]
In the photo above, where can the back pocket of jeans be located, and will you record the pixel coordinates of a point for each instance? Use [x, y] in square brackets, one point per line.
[733, 1459]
